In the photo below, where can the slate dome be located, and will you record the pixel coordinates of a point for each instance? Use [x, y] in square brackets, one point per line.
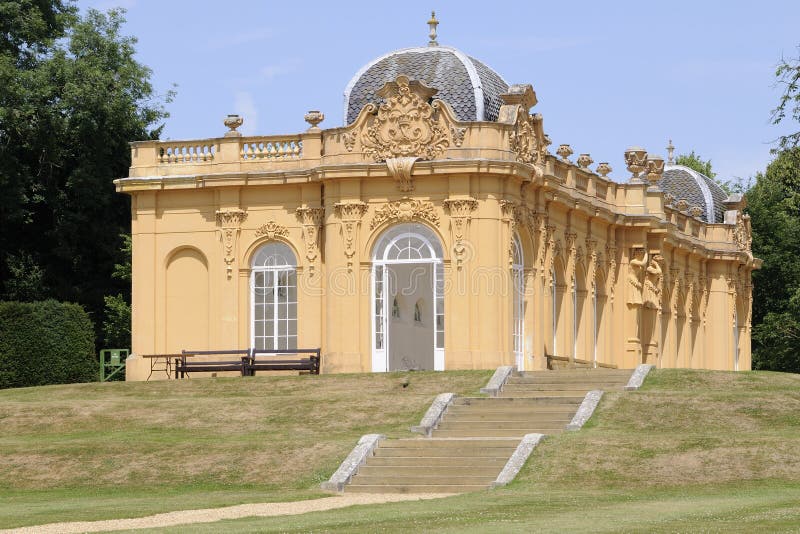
[470, 87]
[698, 190]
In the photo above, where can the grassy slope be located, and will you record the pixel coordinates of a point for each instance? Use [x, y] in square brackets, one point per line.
[98, 451]
[693, 451]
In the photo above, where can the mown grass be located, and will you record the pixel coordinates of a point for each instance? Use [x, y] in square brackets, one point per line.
[99, 451]
[692, 451]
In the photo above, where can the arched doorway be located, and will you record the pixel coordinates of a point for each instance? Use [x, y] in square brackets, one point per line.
[518, 303]
[407, 300]
[273, 297]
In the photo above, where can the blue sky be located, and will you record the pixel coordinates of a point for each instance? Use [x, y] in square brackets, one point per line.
[607, 74]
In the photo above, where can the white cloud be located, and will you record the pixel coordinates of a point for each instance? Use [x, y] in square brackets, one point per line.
[244, 105]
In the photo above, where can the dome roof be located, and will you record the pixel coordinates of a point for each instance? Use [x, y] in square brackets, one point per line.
[470, 87]
[698, 190]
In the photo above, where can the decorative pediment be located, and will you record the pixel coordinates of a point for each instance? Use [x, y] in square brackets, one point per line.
[406, 124]
[271, 229]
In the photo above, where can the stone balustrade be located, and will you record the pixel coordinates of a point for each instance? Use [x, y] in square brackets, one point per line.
[169, 152]
[271, 148]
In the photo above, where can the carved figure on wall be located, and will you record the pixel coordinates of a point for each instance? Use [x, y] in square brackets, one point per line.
[635, 274]
[652, 283]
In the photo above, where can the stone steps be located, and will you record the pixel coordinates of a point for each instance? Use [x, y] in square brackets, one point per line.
[477, 435]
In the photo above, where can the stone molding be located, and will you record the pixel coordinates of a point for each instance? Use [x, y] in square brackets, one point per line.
[311, 219]
[518, 459]
[350, 214]
[585, 410]
[498, 380]
[358, 456]
[460, 210]
[638, 376]
[434, 414]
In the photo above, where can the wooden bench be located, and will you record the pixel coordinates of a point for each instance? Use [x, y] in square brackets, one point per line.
[184, 366]
[282, 360]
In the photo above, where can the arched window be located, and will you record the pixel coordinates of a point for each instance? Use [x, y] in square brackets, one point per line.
[273, 297]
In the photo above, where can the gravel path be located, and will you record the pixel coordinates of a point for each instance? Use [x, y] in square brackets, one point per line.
[209, 515]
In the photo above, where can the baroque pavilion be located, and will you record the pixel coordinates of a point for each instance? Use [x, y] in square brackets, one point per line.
[434, 230]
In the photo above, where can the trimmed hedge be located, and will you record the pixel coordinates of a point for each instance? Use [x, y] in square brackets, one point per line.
[46, 342]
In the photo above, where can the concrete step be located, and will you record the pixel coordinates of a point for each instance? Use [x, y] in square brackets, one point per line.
[501, 419]
[429, 471]
[572, 386]
[567, 381]
[521, 393]
[450, 424]
[493, 452]
[422, 488]
[507, 432]
[516, 409]
[508, 415]
[413, 480]
[428, 443]
[518, 402]
[477, 462]
[594, 373]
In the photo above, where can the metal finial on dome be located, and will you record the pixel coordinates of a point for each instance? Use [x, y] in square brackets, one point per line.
[670, 150]
[432, 23]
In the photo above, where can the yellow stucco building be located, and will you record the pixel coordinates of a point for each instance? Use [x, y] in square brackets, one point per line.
[434, 230]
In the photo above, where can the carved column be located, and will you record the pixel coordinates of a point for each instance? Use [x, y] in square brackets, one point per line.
[229, 221]
[350, 214]
[311, 219]
[460, 215]
[636, 272]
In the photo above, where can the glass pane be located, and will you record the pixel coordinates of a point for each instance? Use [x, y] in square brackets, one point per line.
[292, 313]
[292, 328]
[439, 340]
[440, 322]
[269, 328]
[282, 327]
[259, 312]
[379, 341]
[259, 328]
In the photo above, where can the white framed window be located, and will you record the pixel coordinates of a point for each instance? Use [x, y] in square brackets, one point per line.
[273, 297]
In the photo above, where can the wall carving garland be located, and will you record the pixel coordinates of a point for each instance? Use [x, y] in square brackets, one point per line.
[350, 214]
[271, 230]
[406, 124]
[311, 219]
[405, 210]
[460, 210]
[230, 221]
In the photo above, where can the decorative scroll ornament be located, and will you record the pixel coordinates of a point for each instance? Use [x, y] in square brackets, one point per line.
[350, 214]
[406, 125]
[460, 210]
[400, 169]
[405, 210]
[229, 221]
[271, 230]
[311, 219]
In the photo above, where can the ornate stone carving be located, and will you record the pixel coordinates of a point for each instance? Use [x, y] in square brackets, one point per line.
[405, 210]
[349, 140]
[512, 214]
[565, 151]
[229, 221]
[350, 214]
[458, 135]
[653, 283]
[655, 168]
[635, 159]
[311, 219]
[400, 169]
[635, 275]
[233, 121]
[604, 169]
[611, 258]
[584, 160]
[696, 212]
[314, 117]
[406, 125]
[742, 236]
[460, 210]
[271, 230]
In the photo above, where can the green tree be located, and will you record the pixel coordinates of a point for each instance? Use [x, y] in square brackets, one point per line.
[788, 75]
[696, 163]
[71, 98]
[774, 207]
[117, 322]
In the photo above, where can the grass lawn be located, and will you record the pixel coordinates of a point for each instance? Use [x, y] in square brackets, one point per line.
[113, 450]
[692, 451]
